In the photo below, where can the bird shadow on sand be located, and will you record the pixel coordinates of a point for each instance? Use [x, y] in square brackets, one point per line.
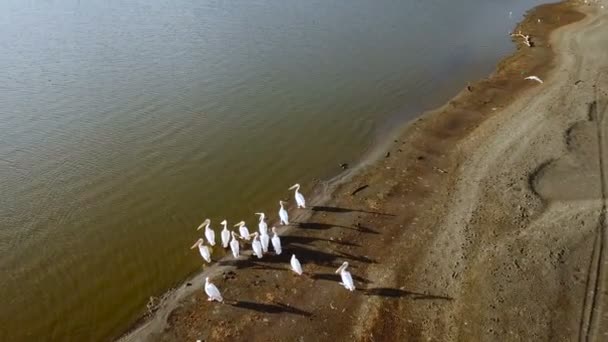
[271, 308]
[335, 278]
[325, 226]
[344, 255]
[304, 240]
[250, 263]
[346, 210]
[307, 255]
[398, 293]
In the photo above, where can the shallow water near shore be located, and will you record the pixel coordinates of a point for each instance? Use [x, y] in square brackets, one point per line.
[124, 125]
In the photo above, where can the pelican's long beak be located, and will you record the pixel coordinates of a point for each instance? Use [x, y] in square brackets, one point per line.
[198, 242]
[205, 223]
[258, 214]
[224, 222]
[341, 268]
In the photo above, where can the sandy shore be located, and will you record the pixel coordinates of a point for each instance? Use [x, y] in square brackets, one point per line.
[485, 221]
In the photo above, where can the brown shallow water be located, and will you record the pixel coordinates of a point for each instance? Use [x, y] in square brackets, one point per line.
[124, 125]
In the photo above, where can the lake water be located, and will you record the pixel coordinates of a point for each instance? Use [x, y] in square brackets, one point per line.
[124, 124]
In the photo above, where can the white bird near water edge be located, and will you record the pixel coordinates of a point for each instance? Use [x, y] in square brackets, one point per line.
[534, 78]
[347, 279]
[265, 240]
[203, 250]
[212, 291]
[262, 226]
[276, 241]
[209, 233]
[300, 201]
[234, 246]
[295, 265]
[243, 230]
[283, 216]
[256, 245]
[225, 234]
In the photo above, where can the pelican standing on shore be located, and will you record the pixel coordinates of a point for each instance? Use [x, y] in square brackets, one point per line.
[212, 292]
[300, 201]
[295, 265]
[243, 230]
[276, 241]
[347, 279]
[225, 234]
[264, 240]
[204, 250]
[234, 246]
[284, 218]
[262, 226]
[209, 233]
[257, 245]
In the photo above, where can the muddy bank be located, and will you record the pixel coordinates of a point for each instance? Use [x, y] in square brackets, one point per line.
[451, 235]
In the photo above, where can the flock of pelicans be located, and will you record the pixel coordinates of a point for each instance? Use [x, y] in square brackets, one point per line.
[261, 239]
[259, 244]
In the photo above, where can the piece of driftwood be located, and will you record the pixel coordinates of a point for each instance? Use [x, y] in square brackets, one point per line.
[526, 38]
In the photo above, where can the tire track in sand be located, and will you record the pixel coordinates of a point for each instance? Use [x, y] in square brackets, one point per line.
[593, 305]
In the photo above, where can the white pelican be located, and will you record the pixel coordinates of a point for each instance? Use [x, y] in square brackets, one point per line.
[212, 292]
[534, 78]
[295, 265]
[263, 227]
[276, 241]
[347, 279]
[243, 230]
[265, 240]
[284, 218]
[300, 201]
[256, 245]
[204, 250]
[234, 246]
[209, 233]
[225, 235]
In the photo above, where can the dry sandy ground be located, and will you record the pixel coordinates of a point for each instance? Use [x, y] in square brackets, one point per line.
[485, 221]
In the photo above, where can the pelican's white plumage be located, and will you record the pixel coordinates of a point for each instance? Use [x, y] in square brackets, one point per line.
[234, 246]
[300, 201]
[209, 233]
[534, 78]
[347, 279]
[284, 218]
[257, 245]
[203, 250]
[243, 230]
[262, 226]
[264, 240]
[225, 235]
[295, 265]
[212, 292]
[276, 241]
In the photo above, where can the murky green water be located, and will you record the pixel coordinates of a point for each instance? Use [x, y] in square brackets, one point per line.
[125, 123]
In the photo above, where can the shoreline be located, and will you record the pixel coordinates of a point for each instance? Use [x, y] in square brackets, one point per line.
[420, 159]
